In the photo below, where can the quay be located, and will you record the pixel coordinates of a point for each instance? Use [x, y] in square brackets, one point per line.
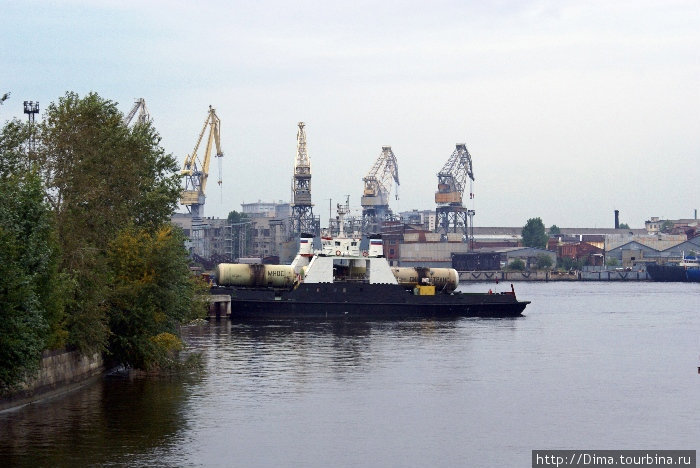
[219, 306]
[546, 275]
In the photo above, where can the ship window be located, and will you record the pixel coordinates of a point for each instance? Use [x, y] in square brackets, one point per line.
[353, 244]
[337, 242]
[344, 290]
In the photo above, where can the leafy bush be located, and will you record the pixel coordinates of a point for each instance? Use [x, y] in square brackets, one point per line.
[570, 263]
[544, 261]
[153, 293]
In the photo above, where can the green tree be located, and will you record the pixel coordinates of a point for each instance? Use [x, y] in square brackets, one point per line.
[236, 217]
[14, 157]
[153, 293]
[624, 226]
[516, 264]
[612, 262]
[101, 175]
[570, 263]
[666, 226]
[67, 245]
[27, 269]
[544, 261]
[554, 230]
[242, 225]
[534, 234]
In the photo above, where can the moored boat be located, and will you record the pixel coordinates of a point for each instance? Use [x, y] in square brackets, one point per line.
[688, 270]
[343, 281]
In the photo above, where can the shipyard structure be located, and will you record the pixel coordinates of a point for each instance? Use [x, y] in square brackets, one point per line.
[268, 232]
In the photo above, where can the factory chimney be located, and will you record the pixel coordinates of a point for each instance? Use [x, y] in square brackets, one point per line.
[617, 219]
[696, 213]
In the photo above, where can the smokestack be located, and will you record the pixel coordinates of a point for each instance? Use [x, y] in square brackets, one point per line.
[617, 219]
[696, 213]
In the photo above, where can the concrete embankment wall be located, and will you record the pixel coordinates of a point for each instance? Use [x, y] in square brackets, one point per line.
[604, 275]
[60, 371]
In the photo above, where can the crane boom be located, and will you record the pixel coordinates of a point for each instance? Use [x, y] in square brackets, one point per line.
[196, 172]
[143, 115]
[453, 176]
[377, 185]
[378, 179]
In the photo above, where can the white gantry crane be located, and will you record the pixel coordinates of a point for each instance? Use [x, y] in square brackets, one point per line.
[139, 108]
[195, 173]
[378, 184]
[302, 220]
[451, 215]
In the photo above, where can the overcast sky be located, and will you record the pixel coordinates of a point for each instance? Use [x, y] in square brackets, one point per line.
[570, 110]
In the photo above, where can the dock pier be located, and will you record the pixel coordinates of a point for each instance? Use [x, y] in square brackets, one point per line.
[219, 306]
[545, 275]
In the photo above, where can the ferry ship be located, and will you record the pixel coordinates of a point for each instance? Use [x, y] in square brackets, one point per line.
[342, 281]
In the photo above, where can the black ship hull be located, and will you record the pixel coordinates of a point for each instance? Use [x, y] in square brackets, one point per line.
[366, 302]
[670, 273]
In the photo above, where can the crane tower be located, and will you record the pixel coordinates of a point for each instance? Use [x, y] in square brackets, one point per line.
[196, 173]
[302, 220]
[451, 215]
[378, 184]
[143, 115]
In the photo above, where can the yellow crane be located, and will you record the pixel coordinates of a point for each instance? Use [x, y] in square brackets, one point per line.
[195, 172]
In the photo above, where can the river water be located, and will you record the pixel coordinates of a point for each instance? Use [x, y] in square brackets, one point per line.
[589, 366]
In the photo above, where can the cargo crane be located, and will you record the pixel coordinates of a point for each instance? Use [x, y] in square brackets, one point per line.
[451, 215]
[302, 220]
[143, 115]
[195, 175]
[378, 184]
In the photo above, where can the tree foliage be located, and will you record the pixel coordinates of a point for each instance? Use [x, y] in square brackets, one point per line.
[534, 234]
[101, 175]
[666, 226]
[516, 264]
[27, 267]
[152, 293]
[241, 222]
[544, 261]
[624, 226]
[554, 230]
[567, 263]
[89, 202]
[236, 217]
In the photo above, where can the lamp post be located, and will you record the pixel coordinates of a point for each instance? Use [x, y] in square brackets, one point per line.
[31, 108]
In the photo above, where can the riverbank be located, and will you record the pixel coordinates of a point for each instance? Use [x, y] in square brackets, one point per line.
[60, 371]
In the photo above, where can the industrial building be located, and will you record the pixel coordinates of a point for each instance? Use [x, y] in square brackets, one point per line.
[657, 249]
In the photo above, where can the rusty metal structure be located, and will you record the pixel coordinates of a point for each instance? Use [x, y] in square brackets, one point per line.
[377, 187]
[451, 214]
